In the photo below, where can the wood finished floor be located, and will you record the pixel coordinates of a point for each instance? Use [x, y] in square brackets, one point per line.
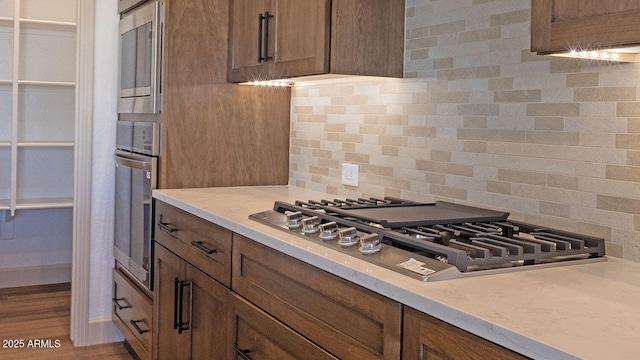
[37, 313]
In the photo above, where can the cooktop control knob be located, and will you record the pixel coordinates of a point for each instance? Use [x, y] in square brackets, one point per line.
[310, 224]
[370, 244]
[294, 219]
[348, 237]
[328, 231]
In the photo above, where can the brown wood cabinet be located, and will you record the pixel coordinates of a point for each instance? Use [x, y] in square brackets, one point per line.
[205, 245]
[562, 25]
[346, 320]
[275, 39]
[191, 309]
[425, 337]
[133, 314]
[215, 133]
[258, 336]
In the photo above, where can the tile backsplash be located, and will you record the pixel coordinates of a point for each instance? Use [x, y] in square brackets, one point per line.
[480, 120]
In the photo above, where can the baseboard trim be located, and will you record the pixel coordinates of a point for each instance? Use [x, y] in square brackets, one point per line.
[102, 331]
[35, 275]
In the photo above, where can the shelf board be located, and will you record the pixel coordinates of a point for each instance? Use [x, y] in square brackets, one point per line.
[46, 83]
[45, 143]
[5, 82]
[44, 203]
[4, 19]
[47, 24]
[5, 144]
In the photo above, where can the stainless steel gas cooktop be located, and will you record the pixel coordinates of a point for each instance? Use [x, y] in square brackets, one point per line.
[431, 241]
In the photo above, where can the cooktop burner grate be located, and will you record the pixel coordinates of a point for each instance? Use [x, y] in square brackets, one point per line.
[398, 234]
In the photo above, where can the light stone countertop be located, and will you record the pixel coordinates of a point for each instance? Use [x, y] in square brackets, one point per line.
[587, 311]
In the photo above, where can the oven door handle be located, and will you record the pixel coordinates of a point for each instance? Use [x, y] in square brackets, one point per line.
[133, 163]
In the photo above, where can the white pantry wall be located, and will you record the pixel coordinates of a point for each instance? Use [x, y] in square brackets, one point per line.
[103, 173]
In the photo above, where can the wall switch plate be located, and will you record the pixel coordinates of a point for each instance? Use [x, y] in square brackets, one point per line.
[350, 174]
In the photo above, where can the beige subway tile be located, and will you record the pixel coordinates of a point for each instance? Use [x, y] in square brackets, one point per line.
[447, 28]
[477, 122]
[492, 135]
[480, 72]
[522, 177]
[555, 209]
[419, 54]
[443, 63]
[356, 158]
[452, 98]
[551, 109]
[474, 147]
[521, 96]
[553, 137]
[422, 43]
[320, 153]
[323, 171]
[479, 109]
[619, 204]
[439, 155]
[501, 84]
[448, 192]
[331, 127]
[480, 35]
[500, 187]
[549, 123]
[563, 181]
[628, 141]
[512, 17]
[393, 141]
[328, 163]
[390, 150]
[605, 94]
[628, 109]
[348, 147]
[623, 172]
[633, 125]
[312, 118]
[583, 79]
[633, 158]
[419, 131]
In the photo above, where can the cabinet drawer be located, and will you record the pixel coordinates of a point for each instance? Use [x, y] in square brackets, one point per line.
[346, 320]
[258, 336]
[198, 241]
[132, 314]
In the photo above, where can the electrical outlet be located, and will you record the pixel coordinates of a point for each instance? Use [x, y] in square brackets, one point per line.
[350, 174]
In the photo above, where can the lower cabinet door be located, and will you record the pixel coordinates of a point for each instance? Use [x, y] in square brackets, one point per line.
[192, 311]
[426, 338]
[258, 336]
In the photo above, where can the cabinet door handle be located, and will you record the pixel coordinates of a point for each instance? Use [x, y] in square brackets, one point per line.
[138, 329]
[243, 354]
[120, 307]
[260, 18]
[182, 326]
[166, 227]
[200, 246]
[266, 36]
[176, 295]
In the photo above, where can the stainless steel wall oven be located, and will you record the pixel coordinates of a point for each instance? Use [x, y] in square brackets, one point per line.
[140, 59]
[137, 151]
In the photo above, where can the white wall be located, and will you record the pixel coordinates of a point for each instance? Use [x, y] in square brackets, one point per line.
[103, 175]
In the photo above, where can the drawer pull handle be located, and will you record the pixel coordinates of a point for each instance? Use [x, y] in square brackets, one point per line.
[166, 227]
[243, 354]
[138, 329]
[205, 249]
[120, 307]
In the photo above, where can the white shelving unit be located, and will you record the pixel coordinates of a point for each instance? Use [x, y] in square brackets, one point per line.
[37, 103]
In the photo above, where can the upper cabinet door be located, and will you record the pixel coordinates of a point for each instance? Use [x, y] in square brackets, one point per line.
[281, 39]
[302, 37]
[562, 25]
[246, 33]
